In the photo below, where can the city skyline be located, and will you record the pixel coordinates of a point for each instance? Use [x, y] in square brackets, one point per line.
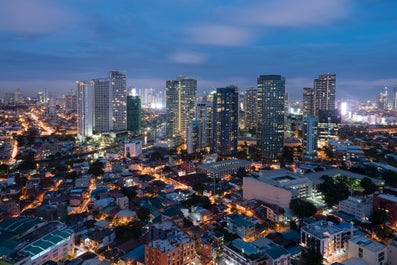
[50, 44]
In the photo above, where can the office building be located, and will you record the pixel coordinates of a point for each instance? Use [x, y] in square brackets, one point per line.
[118, 90]
[383, 100]
[101, 105]
[134, 115]
[225, 121]
[270, 130]
[370, 251]
[310, 137]
[180, 105]
[168, 244]
[84, 109]
[250, 108]
[395, 99]
[324, 92]
[308, 101]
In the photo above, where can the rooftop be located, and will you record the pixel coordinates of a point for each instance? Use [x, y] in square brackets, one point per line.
[322, 229]
[368, 244]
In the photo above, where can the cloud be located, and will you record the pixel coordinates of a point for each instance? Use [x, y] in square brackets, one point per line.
[220, 35]
[33, 17]
[292, 13]
[188, 57]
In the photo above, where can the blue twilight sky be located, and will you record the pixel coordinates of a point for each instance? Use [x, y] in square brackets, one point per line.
[53, 43]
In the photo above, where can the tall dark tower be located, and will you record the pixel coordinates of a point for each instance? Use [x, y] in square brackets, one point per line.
[308, 101]
[134, 114]
[225, 121]
[270, 131]
[250, 107]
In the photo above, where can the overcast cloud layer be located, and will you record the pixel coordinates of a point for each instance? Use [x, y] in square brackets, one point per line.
[53, 43]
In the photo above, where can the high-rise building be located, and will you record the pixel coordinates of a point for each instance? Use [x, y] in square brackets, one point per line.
[328, 126]
[309, 144]
[118, 86]
[71, 101]
[308, 101]
[101, 105]
[383, 100]
[110, 102]
[204, 112]
[180, 105]
[270, 131]
[250, 108]
[225, 121]
[193, 137]
[395, 99]
[84, 109]
[324, 92]
[134, 114]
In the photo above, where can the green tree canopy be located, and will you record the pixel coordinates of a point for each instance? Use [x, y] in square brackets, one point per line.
[302, 208]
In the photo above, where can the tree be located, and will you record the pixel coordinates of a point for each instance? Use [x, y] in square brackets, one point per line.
[379, 217]
[96, 169]
[130, 192]
[143, 214]
[4, 168]
[311, 258]
[197, 199]
[302, 208]
[368, 186]
[199, 188]
[333, 192]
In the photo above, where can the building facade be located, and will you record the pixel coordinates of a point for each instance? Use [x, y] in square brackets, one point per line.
[310, 136]
[84, 109]
[134, 114]
[270, 131]
[168, 245]
[225, 121]
[250, 108]
[101, 105]
[370, 251]
[204, 112]
[180, 105]
[324, 92]
[308, 101]
[118, 88]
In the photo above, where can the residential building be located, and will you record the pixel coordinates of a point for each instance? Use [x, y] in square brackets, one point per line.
[250, 108]
[328, 126]
[392, 251]
[193, 137]
[204, 112]
[388, 203]
[370, 251]
[84, 109]
[325, 238]
[168, 244]
[118, 86]
[270, 130]
[324, 92]
[180, 105]
[239, 252]
[395, 99]
[134, 114]
[310, 136]
[359, 207]
[241, 225]
[225, 121]
[308, 101]
[101, 105]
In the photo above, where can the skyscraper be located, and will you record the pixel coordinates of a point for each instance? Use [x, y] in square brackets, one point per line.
[134, 114]
[225, 121]
[270, 131]
[180, 105]
[101, 105]
[110, 102]
[324, 92]
[250, 108]
[395, 99]
[84, 109]
[118, 86]
[308, 101]
[309, 144]
[204, 112]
